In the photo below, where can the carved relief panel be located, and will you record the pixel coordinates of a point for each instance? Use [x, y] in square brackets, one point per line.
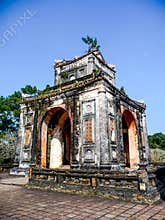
[112, 129]
[88, 122]
[89, 108]
[27, 137]
[111, 107]
[88, 130]
[89, 154]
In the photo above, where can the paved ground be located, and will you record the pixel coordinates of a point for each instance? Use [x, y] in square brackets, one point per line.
[18, 202]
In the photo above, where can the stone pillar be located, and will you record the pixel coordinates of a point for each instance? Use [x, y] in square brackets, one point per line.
[139, 137]
[55, 73]
[26, 128]
[34, 140]
[143, 180]
[145, 137]
[75, 136]
[44, 128]
[90, 65]
[120, 144]
[20, 144]
[103, 129]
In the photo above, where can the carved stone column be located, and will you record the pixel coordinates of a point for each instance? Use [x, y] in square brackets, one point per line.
[119, 128]
[75, 135]
[34, 139]
[145, 139]
[139, 137]
[90, 64]
[20, 144]
[26, 126]
[103, 129]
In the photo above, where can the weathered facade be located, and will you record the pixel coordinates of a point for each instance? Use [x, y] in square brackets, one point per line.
[84, 122]
[93, 123]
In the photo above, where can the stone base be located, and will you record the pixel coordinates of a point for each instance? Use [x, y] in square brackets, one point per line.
[134, 186]
[19, 171]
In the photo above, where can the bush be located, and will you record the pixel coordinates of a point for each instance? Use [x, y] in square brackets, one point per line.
[157, 140]
[157, 155]
[7, 149]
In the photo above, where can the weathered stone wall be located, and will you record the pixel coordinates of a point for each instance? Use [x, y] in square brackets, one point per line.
[67, 70]
[94, 98]
[26, 134]
[136, 186]
[107, 137]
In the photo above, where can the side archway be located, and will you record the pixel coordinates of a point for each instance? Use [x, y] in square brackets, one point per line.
[130, 139]
[55, 138]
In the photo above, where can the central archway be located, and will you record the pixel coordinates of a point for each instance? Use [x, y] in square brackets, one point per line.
[130, 140]
[55, 139]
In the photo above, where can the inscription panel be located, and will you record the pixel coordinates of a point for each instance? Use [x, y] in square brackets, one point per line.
[89, 154]
[88, 107]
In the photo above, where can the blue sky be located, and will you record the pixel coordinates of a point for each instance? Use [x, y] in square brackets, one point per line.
[131, 34]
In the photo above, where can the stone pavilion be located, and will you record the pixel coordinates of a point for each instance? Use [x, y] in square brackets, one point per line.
[86, 133]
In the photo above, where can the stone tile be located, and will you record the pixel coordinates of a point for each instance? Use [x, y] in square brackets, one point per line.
[120, 218]
[109, 216]
[71, 215]
[104, 218]
[125, 215]
[17, 202]
[158, 217]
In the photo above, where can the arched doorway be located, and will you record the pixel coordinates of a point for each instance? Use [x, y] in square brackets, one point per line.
[55, 138]
[130, 140]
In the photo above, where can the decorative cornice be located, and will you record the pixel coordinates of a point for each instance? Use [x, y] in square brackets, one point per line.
[78, 84]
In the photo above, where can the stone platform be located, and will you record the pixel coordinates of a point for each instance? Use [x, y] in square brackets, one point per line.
[18, 202]
[126, 185]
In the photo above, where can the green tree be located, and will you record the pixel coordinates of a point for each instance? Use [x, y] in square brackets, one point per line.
[92, 43]
[8, 148]
[7, 112]
[157, 140]
[162, 144]
[30, 90]
[10, 110]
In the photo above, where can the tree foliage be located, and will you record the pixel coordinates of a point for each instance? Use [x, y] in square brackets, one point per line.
[157, 140]
[30, 90]
[92, 43]
[10, 110]
[8, 149]
[157, 155]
